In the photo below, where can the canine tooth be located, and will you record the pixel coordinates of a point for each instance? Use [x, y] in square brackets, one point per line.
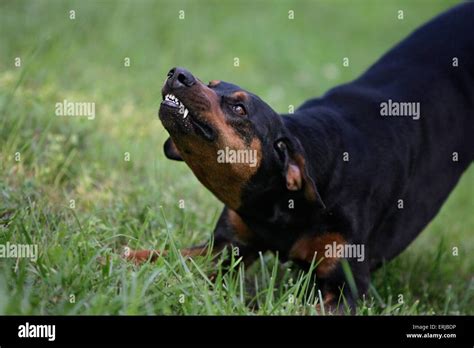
[186, 111]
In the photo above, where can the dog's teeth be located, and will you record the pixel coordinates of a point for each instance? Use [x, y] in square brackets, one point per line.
[182, 109]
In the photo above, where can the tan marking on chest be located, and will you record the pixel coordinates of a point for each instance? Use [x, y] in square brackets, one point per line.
[242, 232]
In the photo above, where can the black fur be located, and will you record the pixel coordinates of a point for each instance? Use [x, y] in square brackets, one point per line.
[390, 158]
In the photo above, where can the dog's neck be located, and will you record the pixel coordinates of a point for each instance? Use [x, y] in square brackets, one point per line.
[319, 139]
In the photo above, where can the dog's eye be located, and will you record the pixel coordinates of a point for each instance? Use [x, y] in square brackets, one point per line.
[239, 110]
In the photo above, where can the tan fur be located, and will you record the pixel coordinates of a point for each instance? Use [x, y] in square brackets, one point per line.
[142, 256]
[240, 95]
[225, 180]
[243, 233]
[214, 83]
[307, 247]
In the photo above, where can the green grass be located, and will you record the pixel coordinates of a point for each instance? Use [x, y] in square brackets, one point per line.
[135, 202]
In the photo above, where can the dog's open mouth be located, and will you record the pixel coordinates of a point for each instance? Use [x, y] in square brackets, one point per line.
[177, 113]
[172, 101]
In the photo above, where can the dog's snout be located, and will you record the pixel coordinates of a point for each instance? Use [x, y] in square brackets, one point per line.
[171, 73]
[179, 77]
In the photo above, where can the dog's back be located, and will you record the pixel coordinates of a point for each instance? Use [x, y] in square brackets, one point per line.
[407, 125]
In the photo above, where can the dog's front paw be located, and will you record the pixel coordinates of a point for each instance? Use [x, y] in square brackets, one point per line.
[335, 305]
[139, 256]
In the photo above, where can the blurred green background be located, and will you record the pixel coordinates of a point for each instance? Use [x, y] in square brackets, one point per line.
[135, 202]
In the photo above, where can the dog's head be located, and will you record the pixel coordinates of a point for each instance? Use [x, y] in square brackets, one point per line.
[227, 136]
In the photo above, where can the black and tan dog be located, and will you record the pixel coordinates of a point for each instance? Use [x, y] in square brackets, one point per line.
[370, 163]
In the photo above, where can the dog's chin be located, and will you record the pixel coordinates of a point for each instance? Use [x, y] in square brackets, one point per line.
[172, 119]
[180, 121]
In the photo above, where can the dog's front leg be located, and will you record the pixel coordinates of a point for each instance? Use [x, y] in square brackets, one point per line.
[328, 251]
[344, 286]
[230, 231]
[141, 256]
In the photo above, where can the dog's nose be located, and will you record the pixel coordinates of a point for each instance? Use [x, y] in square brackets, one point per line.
[179, 77]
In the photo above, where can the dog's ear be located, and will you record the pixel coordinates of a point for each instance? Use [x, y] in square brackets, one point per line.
[295, 171]
[171, 151]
